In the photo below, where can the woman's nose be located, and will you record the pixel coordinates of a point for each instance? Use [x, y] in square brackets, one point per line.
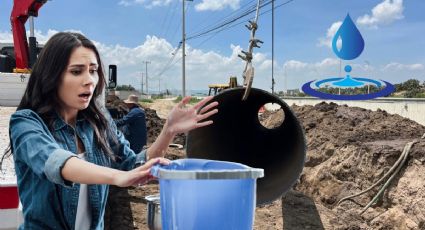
[90, 79]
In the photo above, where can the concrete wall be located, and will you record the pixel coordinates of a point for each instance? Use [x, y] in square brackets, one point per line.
[12, 87]
[414, 109]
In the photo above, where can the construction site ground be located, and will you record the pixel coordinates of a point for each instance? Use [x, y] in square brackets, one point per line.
[349, 149]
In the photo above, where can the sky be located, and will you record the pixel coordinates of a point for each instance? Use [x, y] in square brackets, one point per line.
[130, 32]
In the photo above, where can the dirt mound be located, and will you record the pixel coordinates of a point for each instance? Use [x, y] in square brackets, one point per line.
[271, 119]
[349, 149]
[154, 126]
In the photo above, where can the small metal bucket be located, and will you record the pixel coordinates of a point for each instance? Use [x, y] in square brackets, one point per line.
[153, 212]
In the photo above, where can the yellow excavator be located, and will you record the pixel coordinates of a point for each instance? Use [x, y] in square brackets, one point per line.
[217, 88]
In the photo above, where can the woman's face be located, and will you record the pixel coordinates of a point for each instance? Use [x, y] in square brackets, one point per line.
[78, 80]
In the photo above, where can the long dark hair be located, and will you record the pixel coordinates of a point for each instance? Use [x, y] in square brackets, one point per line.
[41, 94]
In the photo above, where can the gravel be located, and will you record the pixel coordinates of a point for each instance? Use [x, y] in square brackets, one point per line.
[7, 173]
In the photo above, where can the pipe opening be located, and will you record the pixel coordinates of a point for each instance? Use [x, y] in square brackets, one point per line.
[271, 115]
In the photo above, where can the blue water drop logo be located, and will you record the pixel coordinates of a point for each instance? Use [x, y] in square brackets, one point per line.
[352, 43]
[347, 44]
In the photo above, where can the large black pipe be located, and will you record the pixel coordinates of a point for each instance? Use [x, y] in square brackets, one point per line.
[238, 136]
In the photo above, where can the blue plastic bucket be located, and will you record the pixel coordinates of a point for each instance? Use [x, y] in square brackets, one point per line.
[206, 194]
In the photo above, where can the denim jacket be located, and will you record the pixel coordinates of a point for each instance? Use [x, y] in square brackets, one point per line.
[49, 201]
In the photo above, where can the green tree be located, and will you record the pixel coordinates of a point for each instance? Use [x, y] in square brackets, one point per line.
[411, 84]
[125, 88]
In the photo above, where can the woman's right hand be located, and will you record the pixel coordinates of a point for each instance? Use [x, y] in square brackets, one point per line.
[184, 118]
[140, 175]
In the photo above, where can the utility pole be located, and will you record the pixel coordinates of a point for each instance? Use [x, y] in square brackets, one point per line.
[159, 85]
[141, 83]
[146, 75]
[273, 82]
[285, 75]
[183, 54]
[184, 49]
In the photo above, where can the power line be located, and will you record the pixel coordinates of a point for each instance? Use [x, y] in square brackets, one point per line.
[243, 13]
[233, 20]
[236, 24]
[163, 32]
[223, 17]
[184, 49]
[169, 64]
[220, 25]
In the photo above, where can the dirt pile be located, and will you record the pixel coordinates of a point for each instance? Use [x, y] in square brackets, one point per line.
[154, 126]
[349, 149]
[271, 119]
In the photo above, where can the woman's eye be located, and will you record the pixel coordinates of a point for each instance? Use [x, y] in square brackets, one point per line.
[75, 72]
[92, 71]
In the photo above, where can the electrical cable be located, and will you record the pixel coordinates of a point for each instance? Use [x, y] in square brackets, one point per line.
[229, 25]
[230, 21]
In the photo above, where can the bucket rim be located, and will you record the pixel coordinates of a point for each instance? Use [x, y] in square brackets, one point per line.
[251, 173]
[204, 169]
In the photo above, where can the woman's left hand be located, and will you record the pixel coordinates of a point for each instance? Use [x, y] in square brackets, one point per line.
[183, 119]
[138, 176]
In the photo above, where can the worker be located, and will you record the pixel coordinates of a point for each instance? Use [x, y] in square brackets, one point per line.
[63, 143]
[134, 124]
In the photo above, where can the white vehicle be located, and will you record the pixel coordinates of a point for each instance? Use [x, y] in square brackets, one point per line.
[12, 85]
[17, 58]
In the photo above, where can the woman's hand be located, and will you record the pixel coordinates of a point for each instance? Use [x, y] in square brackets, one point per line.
[140, 175]
[183, 119]
[180, 120]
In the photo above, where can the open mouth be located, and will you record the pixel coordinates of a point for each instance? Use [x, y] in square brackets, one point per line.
[85, 96]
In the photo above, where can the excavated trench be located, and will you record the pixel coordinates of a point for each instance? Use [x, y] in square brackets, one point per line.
[348, 150]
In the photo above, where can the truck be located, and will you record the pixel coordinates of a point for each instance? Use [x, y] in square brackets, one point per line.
[16, 59]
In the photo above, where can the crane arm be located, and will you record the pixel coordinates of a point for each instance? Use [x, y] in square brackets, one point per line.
[22, 9]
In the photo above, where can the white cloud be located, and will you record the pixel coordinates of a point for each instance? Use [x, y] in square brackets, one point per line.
[217, 5]
[131, 2]
[41, 38]
[147, 3]
[327, 62]
[327, 41]
[202, 67]
[205, 67]
[398, 66]
[293, 64]
[6, 37]
[384, 13]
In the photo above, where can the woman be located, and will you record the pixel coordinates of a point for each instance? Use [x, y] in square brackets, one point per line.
[67, 151]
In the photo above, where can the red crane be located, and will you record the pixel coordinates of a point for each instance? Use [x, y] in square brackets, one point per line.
[25, 54]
